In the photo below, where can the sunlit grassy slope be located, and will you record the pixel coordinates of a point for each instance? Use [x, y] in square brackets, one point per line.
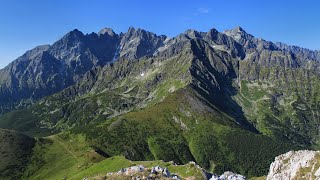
[178, 129]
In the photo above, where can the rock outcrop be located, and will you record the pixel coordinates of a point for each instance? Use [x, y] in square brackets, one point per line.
[296, 165]
[228, 176]
[158, 172]
[142, 173]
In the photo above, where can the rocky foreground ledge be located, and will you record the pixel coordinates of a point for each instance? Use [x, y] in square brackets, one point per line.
[140, 172]
[293, 165]
[296, 165]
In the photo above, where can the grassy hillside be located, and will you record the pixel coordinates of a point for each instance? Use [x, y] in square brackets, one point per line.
[24, 121]
[181, 130]
[285, 108]
[69, 156]
[114, 164]
[15, 153]
[119, 88]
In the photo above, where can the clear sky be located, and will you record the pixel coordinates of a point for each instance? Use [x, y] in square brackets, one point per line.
[25, 24]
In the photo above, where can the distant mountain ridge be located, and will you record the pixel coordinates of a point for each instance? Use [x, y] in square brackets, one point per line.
[47, 69]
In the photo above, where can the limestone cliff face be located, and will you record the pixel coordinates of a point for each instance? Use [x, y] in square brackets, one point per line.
[297, 165]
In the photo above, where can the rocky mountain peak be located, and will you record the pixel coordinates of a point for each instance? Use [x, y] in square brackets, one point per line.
[213, 31]
[107, 31]
[70, 38]
[141, 33]
[131, 30]
[193, 33]
[137, 43]
[248, 41]
[239, 29]
[74, 33]
[238, 33]
[70, 44]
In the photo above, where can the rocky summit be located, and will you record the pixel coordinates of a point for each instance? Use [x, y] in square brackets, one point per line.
[96, 103]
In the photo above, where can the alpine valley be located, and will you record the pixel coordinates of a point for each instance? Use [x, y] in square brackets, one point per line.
[92, 104]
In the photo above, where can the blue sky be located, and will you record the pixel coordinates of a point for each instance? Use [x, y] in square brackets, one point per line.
[25, 24]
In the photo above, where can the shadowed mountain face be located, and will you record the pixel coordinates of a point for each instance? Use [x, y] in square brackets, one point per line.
[129, 93]
[15, 153]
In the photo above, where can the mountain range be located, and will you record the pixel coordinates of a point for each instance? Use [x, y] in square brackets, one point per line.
[227, 100]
